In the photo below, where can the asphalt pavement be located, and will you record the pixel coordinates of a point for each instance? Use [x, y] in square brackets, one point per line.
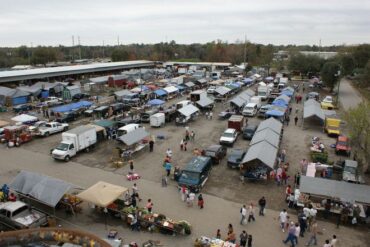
[349, 97]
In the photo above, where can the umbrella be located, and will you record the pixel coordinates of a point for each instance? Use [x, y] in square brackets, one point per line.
[155, 102]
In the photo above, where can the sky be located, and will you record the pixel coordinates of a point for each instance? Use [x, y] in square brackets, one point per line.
[98, 22]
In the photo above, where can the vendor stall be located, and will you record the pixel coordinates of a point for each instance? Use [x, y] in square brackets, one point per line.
[25, 119]
[213, 242]
[340, 193]
[135, 140]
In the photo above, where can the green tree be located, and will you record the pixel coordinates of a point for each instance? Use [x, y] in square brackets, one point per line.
[365, 77]
[359, 121]
[348, 64]
[43, 55]
[120, 54]
[361, 54]
[329, 74]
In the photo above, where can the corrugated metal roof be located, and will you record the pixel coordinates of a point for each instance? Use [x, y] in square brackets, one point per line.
[205, 101]
[267, 135]
[8, 76]
[171, 89]
[222, 90]
[134, 136]
[262, 151]
[270, 123]
[347, 192]
[188, 110]
[122, 93]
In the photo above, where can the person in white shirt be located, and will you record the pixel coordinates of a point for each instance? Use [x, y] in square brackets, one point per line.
[334, 240]
[327, 243]
[243, 212]
[169, 152]
[283, 218]
[191, 197]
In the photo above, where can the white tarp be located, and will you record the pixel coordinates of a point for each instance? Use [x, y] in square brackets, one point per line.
[188, 110]
[171, 89]
[24, 118]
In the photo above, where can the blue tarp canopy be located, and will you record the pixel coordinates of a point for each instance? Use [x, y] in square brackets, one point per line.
[269, 78]
[160, 92]
[274, 113]
[280, 102]
[73, 106]
[155, 102]
[247, 80]
[287, 93]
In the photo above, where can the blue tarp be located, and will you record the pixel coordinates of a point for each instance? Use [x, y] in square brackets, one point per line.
[287, 93]
[155, 102]
[247, 80]
[280, 102]
[274, 113]
[269, 78]
[160, 92]
[44, 94]
[73, 106]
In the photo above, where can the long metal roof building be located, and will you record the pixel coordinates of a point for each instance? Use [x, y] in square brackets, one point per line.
[40, 73]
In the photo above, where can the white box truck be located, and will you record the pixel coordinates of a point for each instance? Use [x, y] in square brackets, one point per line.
[157, 120]
[257, 100]
[73, 141]
[263, 92]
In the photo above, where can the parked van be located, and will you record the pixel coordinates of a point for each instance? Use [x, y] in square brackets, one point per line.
[195, 174]
[157, 120]
[127, 129]
[250, 110]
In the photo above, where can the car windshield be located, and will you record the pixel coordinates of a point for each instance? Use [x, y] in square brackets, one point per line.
[250, 131]
[210, 153]
[249, 108]
[227, 134]
[342, 143]
[350, 169]
[48, 125]
[237, 152]
[261, 93]
[62, 147]
[190, 175]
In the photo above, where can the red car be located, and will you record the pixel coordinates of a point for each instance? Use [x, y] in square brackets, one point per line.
[342, 145]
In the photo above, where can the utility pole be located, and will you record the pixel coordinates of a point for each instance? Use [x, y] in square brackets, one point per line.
[79, 47]
[245, 51]
[73, 47]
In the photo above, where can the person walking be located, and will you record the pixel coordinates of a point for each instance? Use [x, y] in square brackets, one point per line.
[313, 237]
[135, 191]
[302, 219]
[168, 167]
[192, 135]
[131, 164]
[149, 205]
[287, 120]
[243, 238]
[210, 115]
[251, 213]
[185, 144]
[297, 232]
[262, 204]
[295, 120]
[250, 240]
[327, 243]
[191, 198]
[291, 200]
[218, 234]
[282, 219]
[334, 241]
[207, 115]
[200, 201]
[151, 145]
[182, 145]
[133, 200]
[169, 153]
[243, 213]
[183, 193]
[291, 235]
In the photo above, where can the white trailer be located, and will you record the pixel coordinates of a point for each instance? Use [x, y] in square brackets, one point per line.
[157, 120]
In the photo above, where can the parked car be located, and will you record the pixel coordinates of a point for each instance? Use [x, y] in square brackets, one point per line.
[262, 111]
[342, 146]
[211, 90]
[80, 96]
[248, 132]
[235, 157]
[250, 110]
[52, 101]
[350, 172]
[226, 114]
[229, 137]
[328, 99]
[68, 117]
[22, 108]
[51, 128]
[216, 153]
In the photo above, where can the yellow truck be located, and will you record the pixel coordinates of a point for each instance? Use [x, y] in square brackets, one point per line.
[332, 126]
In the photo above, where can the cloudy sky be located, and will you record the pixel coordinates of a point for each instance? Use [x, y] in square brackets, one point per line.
[53, 22]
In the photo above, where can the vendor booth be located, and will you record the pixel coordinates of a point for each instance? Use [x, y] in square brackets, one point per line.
[267, 135]
[341, 194]
[272, 124]
[135, 140]
[25, 119]
[312, 113]
[205, 103]
[187, 113]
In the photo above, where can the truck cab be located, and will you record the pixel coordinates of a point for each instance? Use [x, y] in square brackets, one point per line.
[195, 174]
[64, 151]
[250, 110]
[350, 172]
[332, 126]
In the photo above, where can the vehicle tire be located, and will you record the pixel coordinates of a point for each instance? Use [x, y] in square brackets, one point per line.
[67, 158]
[65, 128]
[46, 134]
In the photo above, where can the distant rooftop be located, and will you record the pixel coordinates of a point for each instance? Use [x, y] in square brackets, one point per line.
[40, 73]
[171, 63]
[321, 54]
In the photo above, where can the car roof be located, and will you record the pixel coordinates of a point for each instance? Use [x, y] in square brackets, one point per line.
[342, 138]
[12, 206]
[251, 104]
[237, 150]
[251, 127]
[196, 164]
[351, 163]
[213, 147]
[229, 130]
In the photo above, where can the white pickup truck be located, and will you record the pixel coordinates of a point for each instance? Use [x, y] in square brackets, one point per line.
[20, 216]
[51, 128]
